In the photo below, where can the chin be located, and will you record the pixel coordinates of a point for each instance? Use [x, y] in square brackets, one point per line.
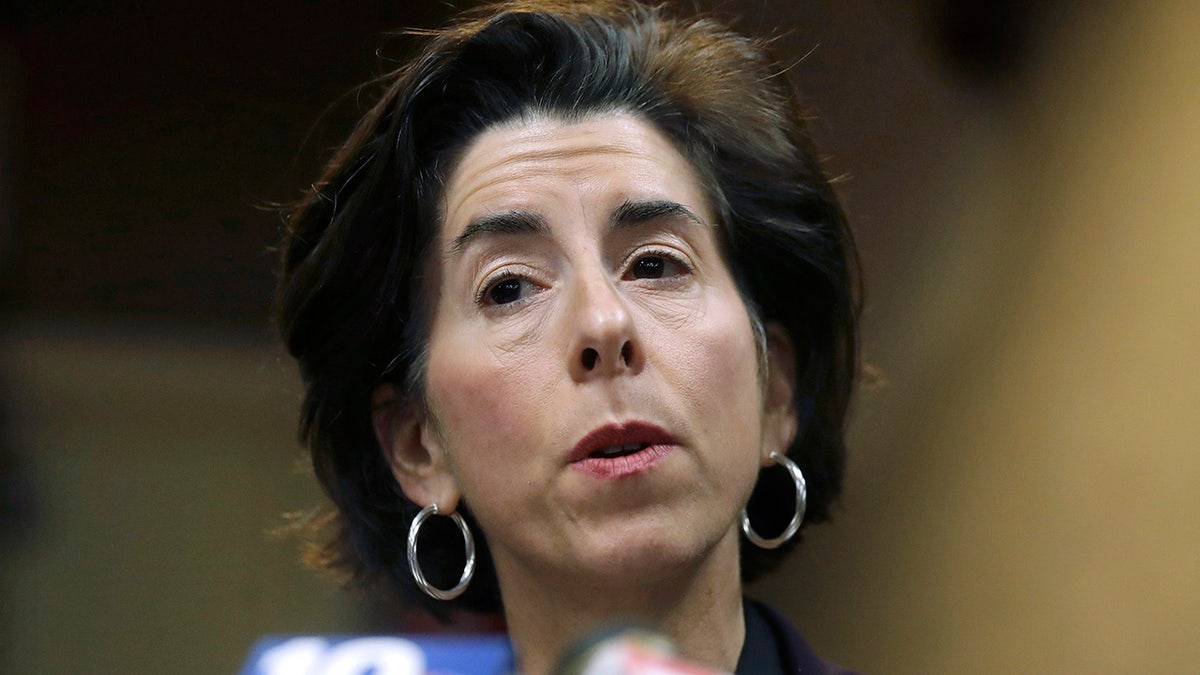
[640, 555]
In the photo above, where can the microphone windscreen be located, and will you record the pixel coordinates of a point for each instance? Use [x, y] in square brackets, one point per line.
[627, 649]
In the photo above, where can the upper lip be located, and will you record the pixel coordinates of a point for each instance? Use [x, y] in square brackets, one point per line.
[623, 433]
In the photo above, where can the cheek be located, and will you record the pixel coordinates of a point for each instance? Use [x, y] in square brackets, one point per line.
[465, 399]
[718, 362]
[711, 364]
[486, 403]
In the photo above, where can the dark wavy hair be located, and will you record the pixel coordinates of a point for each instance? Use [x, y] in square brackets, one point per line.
[350, 303]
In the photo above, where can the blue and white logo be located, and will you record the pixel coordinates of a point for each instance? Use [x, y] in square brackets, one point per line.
[380, 655]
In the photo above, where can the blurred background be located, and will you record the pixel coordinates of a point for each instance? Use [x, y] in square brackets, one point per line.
[1023, 491]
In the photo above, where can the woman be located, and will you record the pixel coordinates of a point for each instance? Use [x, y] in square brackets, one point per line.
[570, 290]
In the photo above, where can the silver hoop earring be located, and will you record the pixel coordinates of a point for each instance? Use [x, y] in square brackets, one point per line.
[415, 567]
[801, 503]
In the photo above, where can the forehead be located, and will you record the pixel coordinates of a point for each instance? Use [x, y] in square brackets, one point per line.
[527, 163]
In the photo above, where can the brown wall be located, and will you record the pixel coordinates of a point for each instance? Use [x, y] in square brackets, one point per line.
[1024, 493]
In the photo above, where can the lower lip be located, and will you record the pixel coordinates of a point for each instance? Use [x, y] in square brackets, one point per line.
[628, 465]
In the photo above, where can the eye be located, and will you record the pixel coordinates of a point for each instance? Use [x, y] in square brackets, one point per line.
[656, 265]
[505, 291]
[649, 267]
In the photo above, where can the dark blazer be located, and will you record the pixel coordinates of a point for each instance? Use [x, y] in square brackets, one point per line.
[773, 646]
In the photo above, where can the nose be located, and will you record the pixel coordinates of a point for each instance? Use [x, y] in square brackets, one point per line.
[604, 338]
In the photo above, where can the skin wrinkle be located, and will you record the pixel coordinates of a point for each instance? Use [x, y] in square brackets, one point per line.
[490, 249]
[629, 214]
[488, 252]
[525, 165]
[508, 395]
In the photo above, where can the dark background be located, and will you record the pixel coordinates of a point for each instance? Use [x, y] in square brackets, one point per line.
[151, 137]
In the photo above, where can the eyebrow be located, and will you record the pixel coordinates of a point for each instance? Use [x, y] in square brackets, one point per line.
[633, 213]
[506, 222]
[629, 214]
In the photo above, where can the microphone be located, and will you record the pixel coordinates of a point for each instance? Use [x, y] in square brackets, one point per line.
[627, 649]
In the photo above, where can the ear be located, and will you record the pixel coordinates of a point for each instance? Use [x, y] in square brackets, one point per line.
[413, 449]
[779, 409]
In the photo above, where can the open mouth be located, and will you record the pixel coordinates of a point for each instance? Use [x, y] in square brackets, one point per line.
[611, 451]
[623, 449]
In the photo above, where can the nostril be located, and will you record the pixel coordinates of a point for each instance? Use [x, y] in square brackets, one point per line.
[626, 353]
[590, 356]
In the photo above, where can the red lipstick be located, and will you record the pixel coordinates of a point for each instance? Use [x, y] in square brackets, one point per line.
[619, 450]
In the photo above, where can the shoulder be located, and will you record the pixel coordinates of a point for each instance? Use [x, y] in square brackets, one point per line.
[794, 652]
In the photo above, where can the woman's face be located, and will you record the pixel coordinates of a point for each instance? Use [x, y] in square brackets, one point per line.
[592, 390]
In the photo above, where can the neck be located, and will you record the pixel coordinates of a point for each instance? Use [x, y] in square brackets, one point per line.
[698, 608]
